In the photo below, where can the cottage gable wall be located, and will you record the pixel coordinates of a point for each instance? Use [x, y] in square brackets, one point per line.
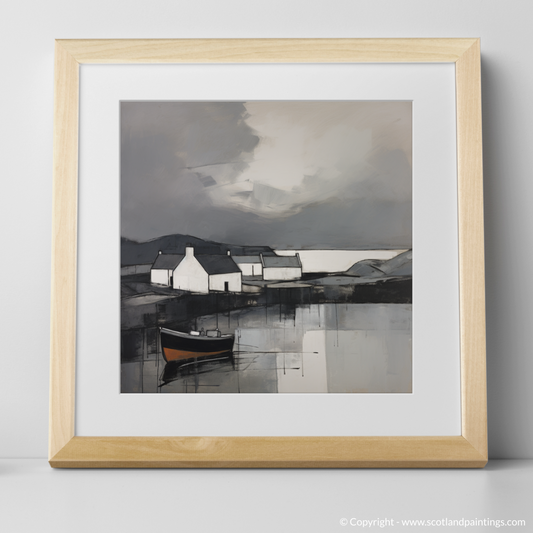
[251, 269]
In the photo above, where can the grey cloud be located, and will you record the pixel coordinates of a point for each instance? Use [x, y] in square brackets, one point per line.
[184, 166]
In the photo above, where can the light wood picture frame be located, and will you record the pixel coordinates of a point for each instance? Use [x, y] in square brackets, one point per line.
[66, 450]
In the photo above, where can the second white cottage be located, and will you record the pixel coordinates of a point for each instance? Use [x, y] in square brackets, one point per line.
[277, 267]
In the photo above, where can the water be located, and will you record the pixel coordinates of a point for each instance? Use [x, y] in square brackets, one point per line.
[318, 348]
[336, 260]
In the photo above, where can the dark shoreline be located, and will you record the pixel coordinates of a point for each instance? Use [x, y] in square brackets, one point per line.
[173, 305]
[139, 322]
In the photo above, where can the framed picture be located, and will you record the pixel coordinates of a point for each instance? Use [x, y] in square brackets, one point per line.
[297, 250]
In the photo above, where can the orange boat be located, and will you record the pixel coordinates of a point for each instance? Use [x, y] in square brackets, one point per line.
[177, 345]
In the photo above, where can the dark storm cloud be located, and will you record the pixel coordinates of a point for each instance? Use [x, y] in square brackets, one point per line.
[285, 174]
[167, 153]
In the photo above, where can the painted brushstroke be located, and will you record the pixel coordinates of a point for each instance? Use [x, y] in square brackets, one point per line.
[283, 228]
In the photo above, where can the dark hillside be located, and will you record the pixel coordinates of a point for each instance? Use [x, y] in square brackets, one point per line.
[140, 253]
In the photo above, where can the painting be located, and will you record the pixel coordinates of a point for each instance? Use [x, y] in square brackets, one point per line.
[266, 247]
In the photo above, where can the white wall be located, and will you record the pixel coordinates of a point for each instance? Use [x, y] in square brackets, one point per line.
[189, 275]
[27, 32]
[246, 268]
[273, 273]
[251, 269]
[160, 276]
[217, 281]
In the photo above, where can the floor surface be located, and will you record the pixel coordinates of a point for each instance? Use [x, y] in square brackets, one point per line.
[37, 498]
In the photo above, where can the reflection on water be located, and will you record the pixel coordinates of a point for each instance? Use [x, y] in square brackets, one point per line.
[175, 370]
[332, 348]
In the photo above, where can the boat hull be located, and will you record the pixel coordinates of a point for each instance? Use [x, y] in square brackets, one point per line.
[177, 345]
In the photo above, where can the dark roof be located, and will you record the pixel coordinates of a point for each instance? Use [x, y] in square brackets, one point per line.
[167, 261]
[286, 261]
[239, 259]
[217, 264]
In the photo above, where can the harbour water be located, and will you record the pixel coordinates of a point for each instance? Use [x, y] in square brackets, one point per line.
[315, 348]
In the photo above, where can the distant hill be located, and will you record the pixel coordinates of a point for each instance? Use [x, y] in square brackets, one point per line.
[367, 268]
[140, 253]
[401, 265]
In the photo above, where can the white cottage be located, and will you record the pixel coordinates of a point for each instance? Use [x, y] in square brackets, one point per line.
[163, 268]
[250, 265]
[276, 267]
[197, 273]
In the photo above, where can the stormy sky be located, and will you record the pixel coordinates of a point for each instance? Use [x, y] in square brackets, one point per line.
[286, 174]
